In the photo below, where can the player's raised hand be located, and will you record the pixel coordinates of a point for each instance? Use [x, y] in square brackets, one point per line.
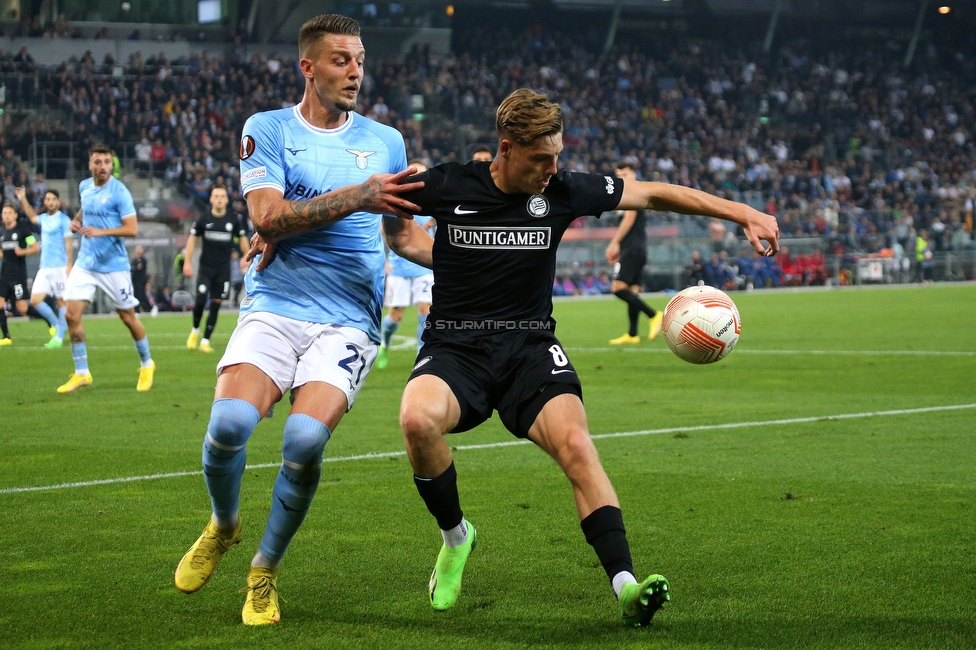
[760, 226]
[381, 194]
[260, 247]
[20, 193]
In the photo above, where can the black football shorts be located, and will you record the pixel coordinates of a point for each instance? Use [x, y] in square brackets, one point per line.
[513, 372]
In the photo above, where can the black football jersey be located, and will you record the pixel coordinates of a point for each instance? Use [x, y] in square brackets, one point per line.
[218, 235]
[636, 238]
[495, 253]
[20, 236]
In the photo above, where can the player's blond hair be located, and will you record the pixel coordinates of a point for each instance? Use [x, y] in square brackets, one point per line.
[315, 28]
[525, 115]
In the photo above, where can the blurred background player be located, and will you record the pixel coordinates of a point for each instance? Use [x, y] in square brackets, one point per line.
[407, 284]
[56, 254]
[482, 153]
[107, 215]
[16, 242]
[628, 252]
[218, 229]
[140, 282]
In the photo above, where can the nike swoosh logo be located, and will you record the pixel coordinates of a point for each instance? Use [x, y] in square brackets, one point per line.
[458, 210]
[556, 372]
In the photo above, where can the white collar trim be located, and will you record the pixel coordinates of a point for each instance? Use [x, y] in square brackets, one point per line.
[319, 131]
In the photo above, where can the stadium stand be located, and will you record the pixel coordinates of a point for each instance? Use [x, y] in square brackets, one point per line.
[852, 152]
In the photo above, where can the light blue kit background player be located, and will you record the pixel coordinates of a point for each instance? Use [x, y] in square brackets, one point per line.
[311, 318]
[56, 251]
[407, 284]
[107, 215]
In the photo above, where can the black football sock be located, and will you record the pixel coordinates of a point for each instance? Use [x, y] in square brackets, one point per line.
[211, 319]
[604, 531]
[198, 308]
[633, 313]
[3, 323]
[441, 496]
[634, 300]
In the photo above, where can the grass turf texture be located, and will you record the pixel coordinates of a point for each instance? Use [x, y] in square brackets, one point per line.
[852, 533]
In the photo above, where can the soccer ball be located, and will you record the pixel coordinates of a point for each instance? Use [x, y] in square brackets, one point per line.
[701, 324]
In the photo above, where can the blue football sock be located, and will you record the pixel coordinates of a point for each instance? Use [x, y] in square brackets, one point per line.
[47, 313]
[421, 326]
[79, 352]
[62, 322]
[224, 452]
[142, 347]
[389, 329]
[301, 468]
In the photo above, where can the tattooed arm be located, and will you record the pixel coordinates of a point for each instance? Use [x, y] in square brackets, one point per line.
[276, 218]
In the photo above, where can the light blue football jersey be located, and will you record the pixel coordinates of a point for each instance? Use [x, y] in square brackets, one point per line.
[403, 268]
[104, 207]
[55, 228]
[334, 274]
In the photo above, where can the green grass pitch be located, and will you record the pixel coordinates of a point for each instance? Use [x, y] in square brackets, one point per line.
[792, 530]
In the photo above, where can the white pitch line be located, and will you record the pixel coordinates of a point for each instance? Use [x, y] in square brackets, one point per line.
[907, 353]
[512, 443]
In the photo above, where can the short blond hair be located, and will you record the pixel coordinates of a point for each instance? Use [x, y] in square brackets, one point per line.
[525, 116]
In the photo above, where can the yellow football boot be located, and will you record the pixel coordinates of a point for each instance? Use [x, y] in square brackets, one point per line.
[261, 605]
[193, 341]
[199, 563]
[626, 339]
[75, 381]
[655, 325]
[146, 377]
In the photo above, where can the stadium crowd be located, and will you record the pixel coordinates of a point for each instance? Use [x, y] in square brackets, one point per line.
[839, 142]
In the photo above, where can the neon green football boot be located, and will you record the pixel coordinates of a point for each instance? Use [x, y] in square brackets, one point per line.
[640, 601]
[445, 581]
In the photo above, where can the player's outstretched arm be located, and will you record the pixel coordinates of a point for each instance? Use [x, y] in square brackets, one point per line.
[758, 226]
[276, 218]
[25, 205]
[409, 240]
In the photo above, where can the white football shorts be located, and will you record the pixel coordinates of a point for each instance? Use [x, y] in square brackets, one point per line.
[117, 285]
[293, 352]
[50, 281]
[403, 292]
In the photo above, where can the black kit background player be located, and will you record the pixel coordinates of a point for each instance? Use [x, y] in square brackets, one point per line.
[218, 230]
[14, 234]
